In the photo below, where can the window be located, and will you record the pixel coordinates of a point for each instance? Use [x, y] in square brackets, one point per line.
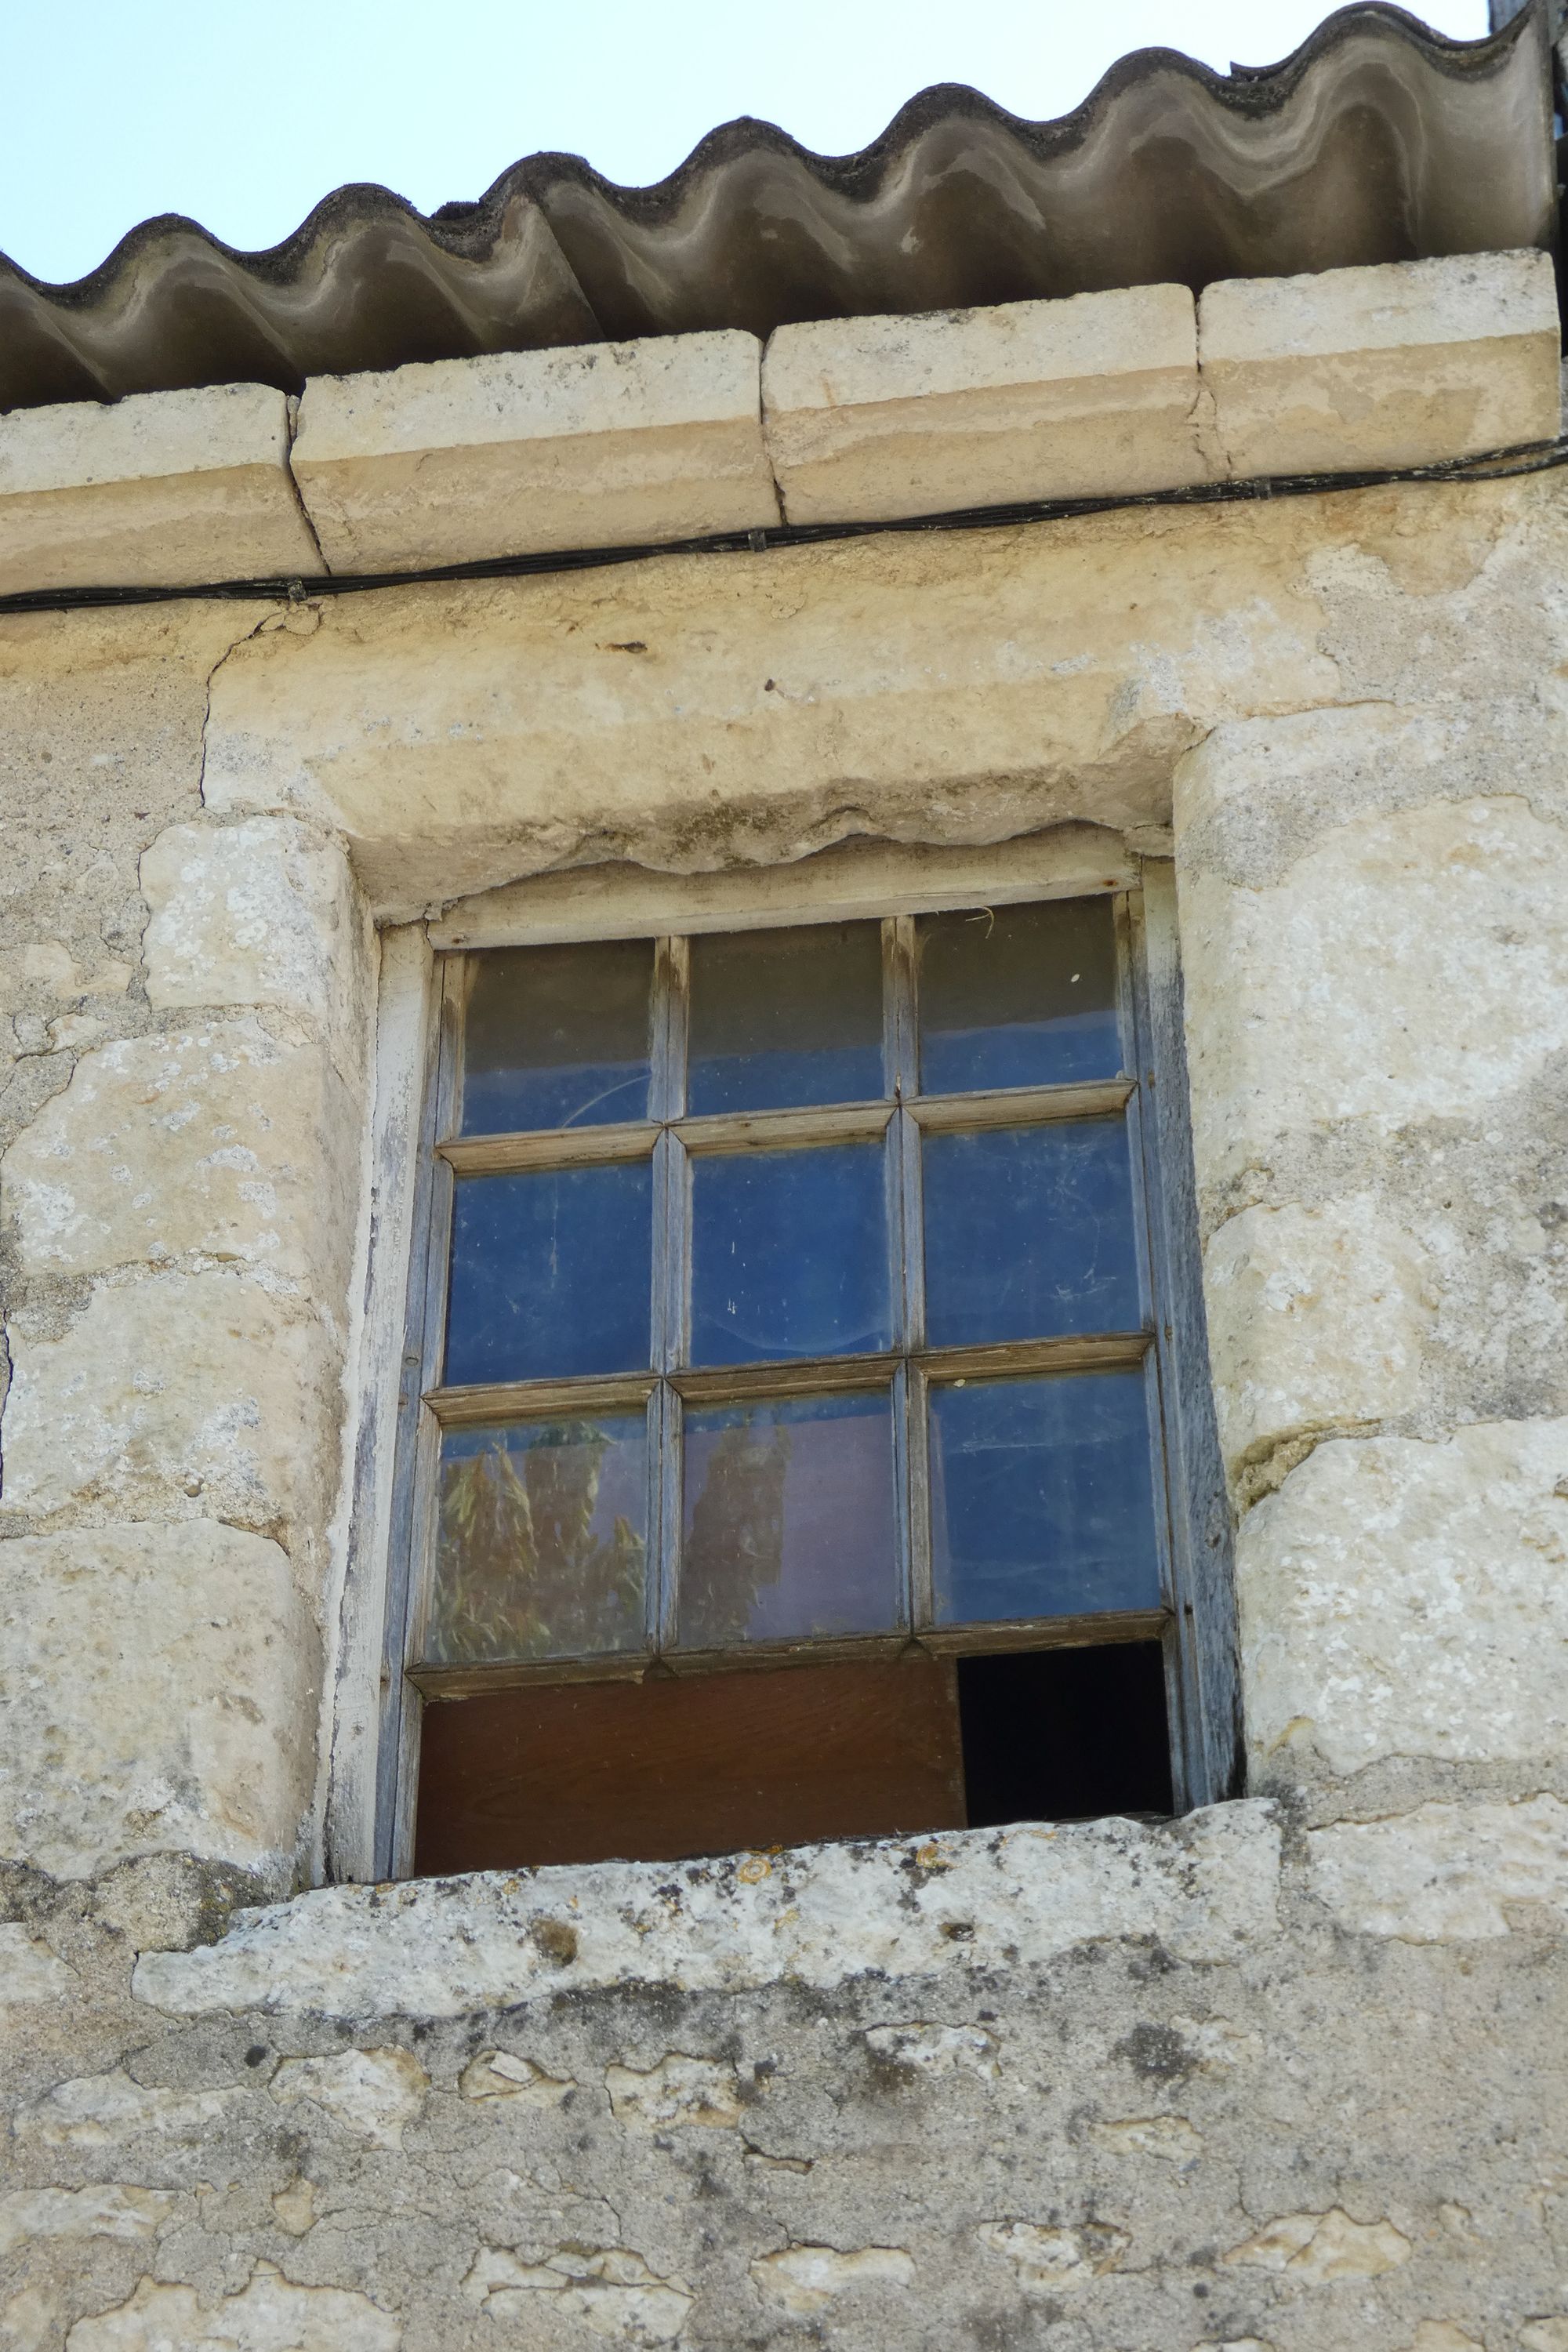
[791, 1459]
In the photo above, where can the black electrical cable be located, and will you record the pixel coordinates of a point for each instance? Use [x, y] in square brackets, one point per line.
[1488, 466]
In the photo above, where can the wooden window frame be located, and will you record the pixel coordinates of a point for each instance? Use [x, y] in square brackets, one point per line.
[1194, 1622]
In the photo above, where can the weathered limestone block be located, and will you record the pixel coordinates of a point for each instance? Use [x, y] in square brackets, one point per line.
[869, 418]
[106, 2111]
[1446, 1874]
[260, 913]
[29, 1972]
[1393, 365]
[613, 445]
[115, 2210]
[374, 2093]
[1370, 2120]
[804, 2280]
[156, 1696]
[817, 1916]
[697, 713]
[1317, 2248]
[1406, 1599]
[1407, 968]
[177, 1397]
[164, 487]
[611, 2290]
[100, 727]
[269, 2314]
[219, 1141]
[1317, 1319]
[688, 2093]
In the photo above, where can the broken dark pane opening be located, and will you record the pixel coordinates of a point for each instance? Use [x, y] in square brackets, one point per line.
[1065, 1734]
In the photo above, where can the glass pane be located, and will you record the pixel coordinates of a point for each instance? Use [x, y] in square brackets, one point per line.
[1023, 996]
[551, 1274]
[1042, 1498]
[542, 1540]
[1028, 1233]
[789, 1521]
[780, 1018]
[557, 1037]
[789, 1253]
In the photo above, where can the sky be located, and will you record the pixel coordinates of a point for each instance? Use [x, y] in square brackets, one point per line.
[245, 117]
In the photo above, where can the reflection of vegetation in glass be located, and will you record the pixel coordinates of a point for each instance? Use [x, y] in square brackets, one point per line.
[734, 1541]
[519, 1573]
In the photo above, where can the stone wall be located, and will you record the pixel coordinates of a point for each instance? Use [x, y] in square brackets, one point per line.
[186, 1016]
[1288, 2073]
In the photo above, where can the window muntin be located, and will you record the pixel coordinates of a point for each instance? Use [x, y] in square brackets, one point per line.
[890, 1360]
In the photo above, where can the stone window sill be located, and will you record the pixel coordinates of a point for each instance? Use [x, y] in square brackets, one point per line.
[1204, 1888]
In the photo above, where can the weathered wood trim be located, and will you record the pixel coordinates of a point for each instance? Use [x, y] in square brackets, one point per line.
[464, 1408]
[785, 1131]
[396, 1224]
[1083, 1632]
[1204, 1670]
[386, 1381]
[1020, 1106]
[571, 1147]
[746, 1384]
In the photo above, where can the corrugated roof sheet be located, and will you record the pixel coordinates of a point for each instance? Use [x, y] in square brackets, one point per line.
[1378, 140]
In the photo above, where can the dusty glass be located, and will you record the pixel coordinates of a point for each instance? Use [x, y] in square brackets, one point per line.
[789, 1253]
[786, 1017]
[1029, 1234]
[542, 1540]
[1018, 996]
[1042, 1497]
[557, 1036]
[552, 1274]
[788, 1519]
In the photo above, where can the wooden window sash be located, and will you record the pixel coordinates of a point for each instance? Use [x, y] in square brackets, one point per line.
[671, 1140]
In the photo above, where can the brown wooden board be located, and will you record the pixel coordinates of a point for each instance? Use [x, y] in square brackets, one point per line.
[705, 1764]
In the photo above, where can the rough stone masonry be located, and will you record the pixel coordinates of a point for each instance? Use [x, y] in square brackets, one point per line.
[1287, 2075]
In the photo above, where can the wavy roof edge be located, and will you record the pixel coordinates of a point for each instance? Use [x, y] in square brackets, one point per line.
[1377, 139]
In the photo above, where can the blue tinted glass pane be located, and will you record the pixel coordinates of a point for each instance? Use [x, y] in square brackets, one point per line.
[785, 1017]
[557, 1037]
[1042, 1498]
[789, 1254]
[551, 1274]
[789, 1521]
[542, 1540]
[1028, 1233]
[1020, 996]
